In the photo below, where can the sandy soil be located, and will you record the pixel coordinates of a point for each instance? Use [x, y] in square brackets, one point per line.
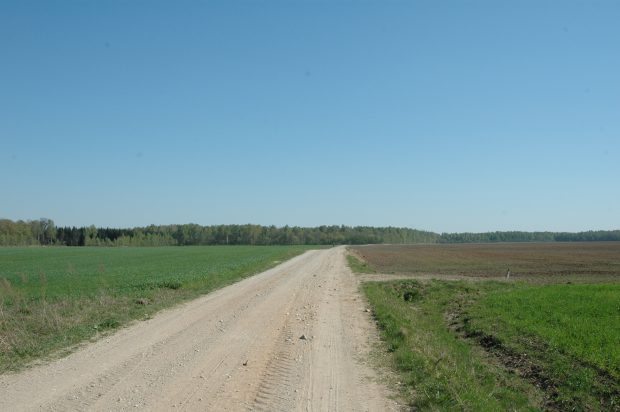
[239, 348]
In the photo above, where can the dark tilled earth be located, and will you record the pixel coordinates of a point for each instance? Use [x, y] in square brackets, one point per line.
[532, 262]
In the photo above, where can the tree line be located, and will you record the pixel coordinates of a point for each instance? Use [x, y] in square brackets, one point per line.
[44, 232]
[516, 236]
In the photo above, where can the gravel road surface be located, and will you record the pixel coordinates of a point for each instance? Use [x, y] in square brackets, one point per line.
[293, 338]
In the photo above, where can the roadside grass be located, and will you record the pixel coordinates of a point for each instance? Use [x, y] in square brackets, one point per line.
[486, 346]
[357, 265]
[54, 298]
[440, 372]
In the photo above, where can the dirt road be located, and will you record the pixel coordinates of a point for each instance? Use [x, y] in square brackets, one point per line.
[292, 338]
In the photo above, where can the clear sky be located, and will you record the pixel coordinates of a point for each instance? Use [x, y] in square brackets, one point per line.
[437, 115]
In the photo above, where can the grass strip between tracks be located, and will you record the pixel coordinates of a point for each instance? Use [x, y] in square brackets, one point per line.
[54, 298]
[501, 346]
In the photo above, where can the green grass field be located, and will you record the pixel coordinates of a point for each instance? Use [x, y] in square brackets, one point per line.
[53, 298]
[440, 371]
[494, 346]
[570, 333]
[580, 320]
[549, 339]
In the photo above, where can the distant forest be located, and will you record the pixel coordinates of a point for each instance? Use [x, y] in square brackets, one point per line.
[45, 232]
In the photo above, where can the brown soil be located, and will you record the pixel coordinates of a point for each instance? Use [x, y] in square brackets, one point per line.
[531, 262]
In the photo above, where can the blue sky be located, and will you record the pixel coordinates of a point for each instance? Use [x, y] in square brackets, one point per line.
[438, 115]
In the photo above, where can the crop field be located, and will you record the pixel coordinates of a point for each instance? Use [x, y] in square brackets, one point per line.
[54, 298]
[548, 340]
[532, 262]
